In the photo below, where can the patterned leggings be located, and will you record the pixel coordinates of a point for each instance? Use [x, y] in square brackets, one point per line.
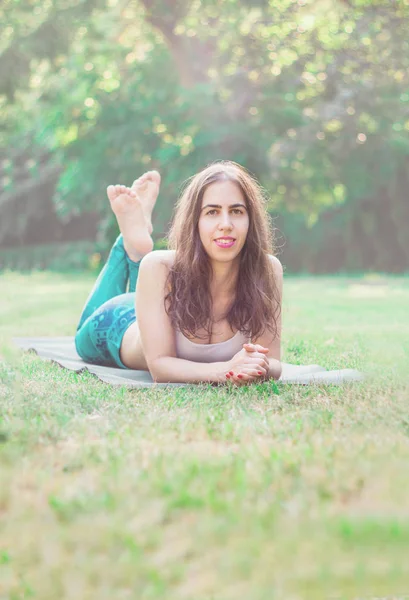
[109, 310]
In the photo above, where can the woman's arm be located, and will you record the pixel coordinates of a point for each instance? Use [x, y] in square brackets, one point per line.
[269, 339]
[157, 335]
[168, 369]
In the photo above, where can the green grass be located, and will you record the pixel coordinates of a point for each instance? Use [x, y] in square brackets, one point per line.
[203, 493]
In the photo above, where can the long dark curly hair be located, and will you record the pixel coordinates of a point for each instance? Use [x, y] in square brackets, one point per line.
[188, 302]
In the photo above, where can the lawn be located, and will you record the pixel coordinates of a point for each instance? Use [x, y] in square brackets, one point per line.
[204, 493]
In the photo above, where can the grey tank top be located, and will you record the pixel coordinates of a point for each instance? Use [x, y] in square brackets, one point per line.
[207, 353]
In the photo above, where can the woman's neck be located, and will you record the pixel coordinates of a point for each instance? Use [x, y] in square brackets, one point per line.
[224, 280]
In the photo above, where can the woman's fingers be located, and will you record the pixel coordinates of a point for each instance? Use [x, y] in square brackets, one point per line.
[255, 348]
[239, 378]
[255, 358]
[246, 375]
[253, 365]
[256, 354]
[254, 371]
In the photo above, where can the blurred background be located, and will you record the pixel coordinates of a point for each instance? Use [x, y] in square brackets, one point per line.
[312, 96]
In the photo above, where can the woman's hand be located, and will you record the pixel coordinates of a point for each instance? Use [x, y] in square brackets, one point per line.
[248, 365]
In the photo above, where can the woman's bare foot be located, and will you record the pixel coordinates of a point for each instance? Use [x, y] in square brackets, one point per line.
[131, 216]
[147, 189]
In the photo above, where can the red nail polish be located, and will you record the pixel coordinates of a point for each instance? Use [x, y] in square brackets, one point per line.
[228, 376]
[240, 376]
[231, 373]
[260, 372]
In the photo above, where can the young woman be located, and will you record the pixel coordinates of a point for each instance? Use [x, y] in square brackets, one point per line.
[209, 308]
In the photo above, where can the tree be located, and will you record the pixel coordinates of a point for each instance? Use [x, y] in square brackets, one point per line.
[312, 96]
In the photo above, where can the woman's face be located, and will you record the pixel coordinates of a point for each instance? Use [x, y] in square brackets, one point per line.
[223, 221]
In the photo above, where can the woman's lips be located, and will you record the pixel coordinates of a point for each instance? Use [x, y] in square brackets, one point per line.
[226, 244]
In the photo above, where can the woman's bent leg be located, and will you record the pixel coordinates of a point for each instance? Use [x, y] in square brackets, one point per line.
[112, 281]
[109, 311]
[99, 338]
[133, 270]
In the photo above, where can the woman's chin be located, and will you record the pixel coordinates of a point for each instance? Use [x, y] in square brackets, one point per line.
[223, 257]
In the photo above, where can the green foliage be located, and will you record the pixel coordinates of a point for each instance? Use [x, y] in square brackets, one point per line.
[56, 257]
[311, 96]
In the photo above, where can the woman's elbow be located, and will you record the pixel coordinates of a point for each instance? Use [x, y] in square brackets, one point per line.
[155, 371]
[158, 370]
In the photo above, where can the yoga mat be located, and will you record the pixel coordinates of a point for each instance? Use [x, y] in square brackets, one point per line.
[62, 351]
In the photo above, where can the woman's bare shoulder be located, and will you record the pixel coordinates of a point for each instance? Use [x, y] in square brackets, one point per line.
[277, 266]
[159, 258]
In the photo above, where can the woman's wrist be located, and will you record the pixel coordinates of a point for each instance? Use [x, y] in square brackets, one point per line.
[274, 369]
[220, 370]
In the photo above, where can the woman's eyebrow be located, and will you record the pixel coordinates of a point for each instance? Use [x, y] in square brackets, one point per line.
[218, 206]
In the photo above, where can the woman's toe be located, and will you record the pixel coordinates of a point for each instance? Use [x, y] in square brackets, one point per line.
[154, 176]
[138, 182]
[111, 192]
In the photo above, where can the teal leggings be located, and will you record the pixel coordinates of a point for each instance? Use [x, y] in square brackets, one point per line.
[109, 310]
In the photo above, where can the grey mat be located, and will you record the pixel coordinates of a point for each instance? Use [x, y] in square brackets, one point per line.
[62, 351]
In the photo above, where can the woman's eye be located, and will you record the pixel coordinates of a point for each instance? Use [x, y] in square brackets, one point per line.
[236, 211]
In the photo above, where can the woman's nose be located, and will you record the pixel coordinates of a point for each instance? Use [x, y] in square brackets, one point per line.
[225, 221]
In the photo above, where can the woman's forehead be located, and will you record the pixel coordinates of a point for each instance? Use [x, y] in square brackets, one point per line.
[223, 192]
